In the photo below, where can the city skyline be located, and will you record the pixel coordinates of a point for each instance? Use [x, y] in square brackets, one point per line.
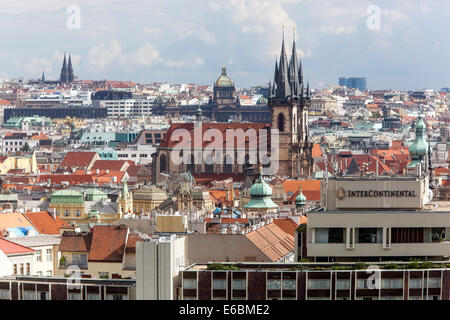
[181, 43]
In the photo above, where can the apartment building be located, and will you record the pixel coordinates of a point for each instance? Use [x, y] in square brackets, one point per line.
[128, 107]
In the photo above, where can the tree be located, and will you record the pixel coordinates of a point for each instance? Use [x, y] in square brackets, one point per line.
[26, 147]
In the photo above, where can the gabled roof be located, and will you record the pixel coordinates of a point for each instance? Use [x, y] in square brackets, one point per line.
[75, 242]
[9, 247]
[44, 222]
[287, 225]
[272, 241]
[13, 220]
[117, 165]
[108, 243]
[77, 159]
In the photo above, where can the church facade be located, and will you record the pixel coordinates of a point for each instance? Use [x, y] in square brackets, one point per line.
[288, 104]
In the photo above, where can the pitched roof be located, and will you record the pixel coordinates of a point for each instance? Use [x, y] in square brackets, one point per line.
[131, 242]
[75, 242]
[272, 241]
[77, 159]
[9, 247]
[44, 222]
[310, 188]
[287, 225]
[108, 243]
[116, 165]
[13, 220]
[316, 151]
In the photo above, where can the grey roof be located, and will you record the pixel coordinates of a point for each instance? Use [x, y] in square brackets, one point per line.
[38, 240]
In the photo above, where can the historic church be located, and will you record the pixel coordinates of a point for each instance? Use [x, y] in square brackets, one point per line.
[288, 104]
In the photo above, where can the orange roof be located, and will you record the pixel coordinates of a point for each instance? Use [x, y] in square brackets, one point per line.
[108, 243]
[39, 136]
[441, 171]
[9, 247]
[317, 151]
[110, 165]
[5, 102]
[287, 225]
[44, 222]
[13, 220]
[75, 242]
[310, 188]
[272, 241]
[77, 159]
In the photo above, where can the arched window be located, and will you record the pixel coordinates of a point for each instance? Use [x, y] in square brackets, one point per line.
[162, 163]
[281, 122]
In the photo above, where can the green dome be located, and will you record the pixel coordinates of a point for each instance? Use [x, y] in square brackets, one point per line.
[260, 189]
[420, 145]
[224, 80]
[300, 200]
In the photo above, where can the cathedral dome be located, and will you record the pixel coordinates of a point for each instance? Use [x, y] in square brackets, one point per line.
[260, 189]
[224, 80]
[300, 200]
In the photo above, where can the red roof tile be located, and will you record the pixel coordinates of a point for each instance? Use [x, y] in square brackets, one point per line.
[9, 247]
[77, 159]
[44, 222]
[108, 243]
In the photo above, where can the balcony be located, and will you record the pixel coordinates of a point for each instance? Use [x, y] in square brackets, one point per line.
[441, 248]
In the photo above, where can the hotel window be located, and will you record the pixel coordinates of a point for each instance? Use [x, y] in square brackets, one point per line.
[335, 235]
[321, 235]
[39, 255]
[49, 254]
[391, 283]
[320, 284]
[74, 296]
[369, 235]
[28, 269]
[239, 284]
[343, 284]
[29, 295]
[434, 282]
[189, 283]
[4, 294]
[415, 283]
[92, 296]
[289, 284]
[273, 284]
[219, 284]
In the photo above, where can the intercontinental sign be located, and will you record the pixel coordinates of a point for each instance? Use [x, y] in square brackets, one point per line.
[341, 193]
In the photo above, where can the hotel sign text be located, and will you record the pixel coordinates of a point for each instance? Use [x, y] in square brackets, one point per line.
[341, 193]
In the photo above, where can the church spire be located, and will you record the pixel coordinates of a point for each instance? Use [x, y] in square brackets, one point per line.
[63, 77]
[43, 76]
[70, 76]
[293, 68]
[283, 89]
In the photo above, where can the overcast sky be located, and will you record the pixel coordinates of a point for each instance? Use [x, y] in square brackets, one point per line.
[189, 41]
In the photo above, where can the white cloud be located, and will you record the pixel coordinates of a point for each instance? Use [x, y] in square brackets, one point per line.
[149, 30]
[100, 56]
[146, 55]
[185, 62]
[330, 29]
[33, 68]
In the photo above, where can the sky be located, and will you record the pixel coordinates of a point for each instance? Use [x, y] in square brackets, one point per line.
[398, 44]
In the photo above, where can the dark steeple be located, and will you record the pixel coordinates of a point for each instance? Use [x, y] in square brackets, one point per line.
[293, 69]
[283, 89]
[70, 70]
[63, 78]
[307, 90]
[43, 76]
[300, 72]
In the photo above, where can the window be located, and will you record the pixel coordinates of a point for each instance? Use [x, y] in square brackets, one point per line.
[392, 283]
[29, 295]
[116, 296]
[92, 296]
[434, 282]
[103, 275]
[39, 255]
[362, 284]
[369, 235]
[239, 284]
[21, 268]
[15, 268]
[434, 298]
[66, 213]
[343, 284]
[273, 284]
[189, 283]
[415, 283]
[321, 235]
[74, 296]
[49, 273]
[56, 212]
[289, 284]
[336, 235]
[219, 284]
[49, 254]
[43, 295]
[319, 284]
[78, 213]
[4, 294]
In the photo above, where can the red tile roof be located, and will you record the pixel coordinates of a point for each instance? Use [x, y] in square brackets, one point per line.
[75, 242]
[116, 165]
[44, 222]
[9, 247]
[77, 159]
[287, 225]
[108, 243]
